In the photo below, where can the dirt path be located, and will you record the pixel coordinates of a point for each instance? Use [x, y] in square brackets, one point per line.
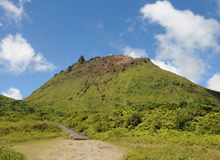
[76, 135]
[63, 149]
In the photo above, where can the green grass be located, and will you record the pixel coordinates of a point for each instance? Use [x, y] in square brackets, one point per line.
[4, 99]
[186, 131]
[174, 152]
[153, 131]
[158, 114]
[131, 84]
[7, 154]
[28, 130]
[25, 130]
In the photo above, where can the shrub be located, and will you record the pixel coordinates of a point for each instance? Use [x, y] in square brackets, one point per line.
[6, 154]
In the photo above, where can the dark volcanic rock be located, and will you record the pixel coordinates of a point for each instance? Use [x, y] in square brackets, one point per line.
[81, 60]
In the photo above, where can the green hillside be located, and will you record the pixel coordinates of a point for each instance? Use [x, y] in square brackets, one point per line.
[132, 102]
[20, 122]
[4, 99]
[116, 81]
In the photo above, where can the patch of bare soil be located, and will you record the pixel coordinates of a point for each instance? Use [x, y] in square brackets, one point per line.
[63, 149]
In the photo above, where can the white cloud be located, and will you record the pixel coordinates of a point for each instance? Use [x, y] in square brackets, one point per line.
[186, 40]
[13, 93]
[41, 63]
[214, 82]
[165, 66]
[16, 55]
[134, 52]
[12, 11]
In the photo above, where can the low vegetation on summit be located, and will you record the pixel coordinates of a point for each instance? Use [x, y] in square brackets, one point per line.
[132, 102]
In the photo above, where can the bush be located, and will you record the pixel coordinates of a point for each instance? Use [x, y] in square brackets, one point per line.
[6, 154]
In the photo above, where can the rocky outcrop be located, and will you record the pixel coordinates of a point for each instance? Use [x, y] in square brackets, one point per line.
[81, 60]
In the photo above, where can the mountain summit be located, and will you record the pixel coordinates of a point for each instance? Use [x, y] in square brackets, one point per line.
[81, 60]
[102, 83]
[105, 64]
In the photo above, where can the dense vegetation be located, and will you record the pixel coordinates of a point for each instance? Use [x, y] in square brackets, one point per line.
[182, 126]
[199, 117]
[6, 154]
[158, 114]
[151, 129]
[20, 122]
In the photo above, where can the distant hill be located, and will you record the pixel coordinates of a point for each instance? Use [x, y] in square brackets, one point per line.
[104, 83]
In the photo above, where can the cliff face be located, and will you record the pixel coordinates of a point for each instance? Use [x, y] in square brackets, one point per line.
[103, 83]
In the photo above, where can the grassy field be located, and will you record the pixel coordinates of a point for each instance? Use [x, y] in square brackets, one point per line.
[172, 152]
[23, 131]
[20, 122]
[7, 154]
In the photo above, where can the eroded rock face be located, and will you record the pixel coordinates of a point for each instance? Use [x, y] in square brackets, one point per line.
[99, 65]
[109, 63]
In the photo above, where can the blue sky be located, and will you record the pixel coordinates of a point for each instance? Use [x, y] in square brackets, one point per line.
[40, 38]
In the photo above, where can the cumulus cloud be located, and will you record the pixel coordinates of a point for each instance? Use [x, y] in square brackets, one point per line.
[41, 64]
[134, 52]
[12, 11]
[16, 55]
[165, 66]
[214, 82]
[187, 39]
[13, 93]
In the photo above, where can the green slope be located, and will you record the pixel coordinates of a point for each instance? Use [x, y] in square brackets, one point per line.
[4, 99]
[116, 81]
